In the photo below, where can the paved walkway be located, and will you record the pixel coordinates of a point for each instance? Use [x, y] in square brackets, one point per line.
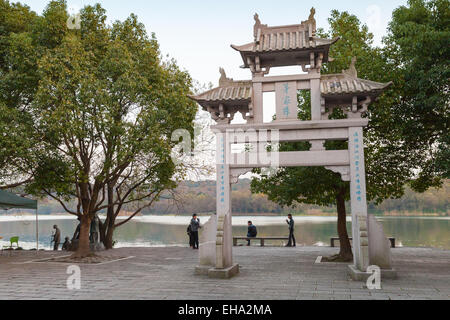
[266, 273]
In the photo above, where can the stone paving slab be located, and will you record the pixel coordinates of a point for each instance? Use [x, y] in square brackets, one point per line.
[266, 273]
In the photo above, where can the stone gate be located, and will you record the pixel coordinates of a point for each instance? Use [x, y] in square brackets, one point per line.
[279, 46]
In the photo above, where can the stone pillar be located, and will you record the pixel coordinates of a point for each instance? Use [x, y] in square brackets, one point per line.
[258, 113]
[224, 267]
[380, 246]
[207, 252]
[380, 249]
[316, 113]
[358, 202]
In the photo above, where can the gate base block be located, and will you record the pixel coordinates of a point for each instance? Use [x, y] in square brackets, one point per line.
[358, 275]
[225, 273]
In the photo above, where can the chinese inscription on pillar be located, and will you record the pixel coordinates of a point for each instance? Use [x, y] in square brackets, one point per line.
[286, 100]
[221, 172]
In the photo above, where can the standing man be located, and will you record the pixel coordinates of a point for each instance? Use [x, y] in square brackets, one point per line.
[195, 225]
[290, 223]
[56, 238]
[252, 232]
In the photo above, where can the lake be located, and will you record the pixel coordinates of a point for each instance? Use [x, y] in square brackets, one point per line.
[154, 231]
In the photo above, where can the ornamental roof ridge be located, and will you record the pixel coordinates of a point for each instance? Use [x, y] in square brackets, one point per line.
[229, 82]
[285, 37]
[228, 90]
[344, 83]
[349, 77]
[307, 25]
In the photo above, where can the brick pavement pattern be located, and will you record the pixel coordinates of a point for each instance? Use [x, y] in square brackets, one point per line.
[266, 273]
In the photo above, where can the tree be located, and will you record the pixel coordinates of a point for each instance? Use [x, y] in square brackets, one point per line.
[101, 117]
[16, 21]
[419, 40]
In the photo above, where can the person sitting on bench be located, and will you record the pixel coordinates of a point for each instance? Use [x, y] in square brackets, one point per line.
[252, 232]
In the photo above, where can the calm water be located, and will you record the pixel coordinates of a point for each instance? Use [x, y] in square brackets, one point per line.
[171, 230]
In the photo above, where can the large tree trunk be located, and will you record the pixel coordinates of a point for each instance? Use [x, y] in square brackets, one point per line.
[108, 241]
[84, 249]
[345, 253]
[108, 227]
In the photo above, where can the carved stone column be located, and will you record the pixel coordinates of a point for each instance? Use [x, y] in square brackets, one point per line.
[370, 245]
[207, 252]
[358, 200]
[224, 267]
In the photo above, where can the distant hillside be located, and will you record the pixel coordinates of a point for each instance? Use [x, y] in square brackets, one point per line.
[199, 197]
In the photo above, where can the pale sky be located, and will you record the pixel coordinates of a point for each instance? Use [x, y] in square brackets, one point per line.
[198, 33]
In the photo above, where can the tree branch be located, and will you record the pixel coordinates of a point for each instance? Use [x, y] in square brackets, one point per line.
[15, 185]
[137, 211]
[61, 202]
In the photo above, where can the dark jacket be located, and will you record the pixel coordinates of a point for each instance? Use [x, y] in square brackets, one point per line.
[252, 232]
[195, 224]
[291, 224]
[66, 245]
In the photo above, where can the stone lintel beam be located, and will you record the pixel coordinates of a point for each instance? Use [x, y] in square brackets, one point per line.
[340, 134]
[287, 78]
[291, 159]
[236, 173]
[344, 171]
[295, 125]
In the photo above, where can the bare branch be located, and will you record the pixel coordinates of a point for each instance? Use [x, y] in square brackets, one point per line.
[61, 202]
[138, 211]
[15, 185]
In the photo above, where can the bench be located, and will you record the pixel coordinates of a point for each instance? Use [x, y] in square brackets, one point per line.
[260, 239]
[332, 240]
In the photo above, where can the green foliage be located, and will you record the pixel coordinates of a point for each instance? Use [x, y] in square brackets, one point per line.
[14, 18]
[419, 37]
[90, 111]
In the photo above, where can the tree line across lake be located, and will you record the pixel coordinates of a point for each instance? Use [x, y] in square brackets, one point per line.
[199, 197]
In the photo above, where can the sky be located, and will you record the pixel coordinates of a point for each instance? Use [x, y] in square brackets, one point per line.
[198, 33]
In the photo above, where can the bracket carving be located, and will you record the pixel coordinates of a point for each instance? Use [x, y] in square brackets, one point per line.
[344, 171]
[236, 173]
